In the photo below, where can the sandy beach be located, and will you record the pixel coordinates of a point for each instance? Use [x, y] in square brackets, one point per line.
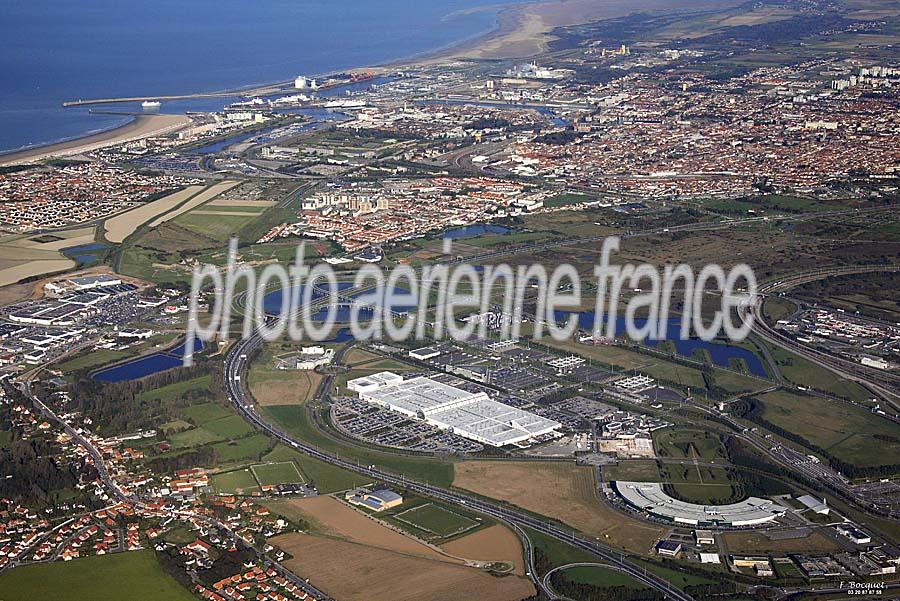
[524, 30]
[143, 126]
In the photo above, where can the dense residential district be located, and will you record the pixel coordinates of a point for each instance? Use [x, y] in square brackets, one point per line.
[590, 467]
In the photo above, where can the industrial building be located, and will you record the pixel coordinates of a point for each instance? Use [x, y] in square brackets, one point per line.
[854, 534]
[669, 548]
[311, 357]
[376, 500]
[815, 504]
[472, 415]
[650, 497]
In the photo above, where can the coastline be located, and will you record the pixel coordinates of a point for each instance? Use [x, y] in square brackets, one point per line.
[508, 22]
[521, 30]
[142, 126]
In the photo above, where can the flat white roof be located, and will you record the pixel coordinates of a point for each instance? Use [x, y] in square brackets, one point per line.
[373, 381]
[817, 505]
[473, 415]
[420, 395]
[650, 497]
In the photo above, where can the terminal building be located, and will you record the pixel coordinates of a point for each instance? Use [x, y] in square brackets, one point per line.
[650, 497]
[472, 415]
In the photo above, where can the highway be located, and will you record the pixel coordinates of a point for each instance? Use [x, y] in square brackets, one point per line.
[883, 384]
[236, 364]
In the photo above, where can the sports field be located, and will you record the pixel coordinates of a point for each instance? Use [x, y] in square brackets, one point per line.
[98, 578]
[435, 520]
[273, 474]
[337, 519]
[240, 482]
[324, 476]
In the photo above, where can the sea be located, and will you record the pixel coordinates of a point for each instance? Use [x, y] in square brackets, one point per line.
[52, 51]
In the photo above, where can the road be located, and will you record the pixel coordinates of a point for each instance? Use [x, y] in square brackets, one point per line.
[881, 383]
[26, 384]
[582, 564]
[236, 364]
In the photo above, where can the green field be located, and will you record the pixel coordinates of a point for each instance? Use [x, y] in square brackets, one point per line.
[682, 443]
[98, 578]
[205, 412]
[176, 390]
[695, 483]
[551, 553]
[845, 431]
[601, 577]
[273, 474]
[775, 308]
[324, 476]
[677, 578]
[155, 266]
[702, 485]
[92, 359]
[240, 482]
[805, 373]
[216, 227]
[250, 447]
[772, 202]
[215, 424]
[435, 520]
[633, 470]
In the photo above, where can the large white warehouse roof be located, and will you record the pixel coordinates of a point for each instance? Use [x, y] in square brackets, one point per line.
[472, 415]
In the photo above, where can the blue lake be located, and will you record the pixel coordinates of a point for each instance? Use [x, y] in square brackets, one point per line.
[471, 231]
[145, 366]
[84, 254]
[721, 353]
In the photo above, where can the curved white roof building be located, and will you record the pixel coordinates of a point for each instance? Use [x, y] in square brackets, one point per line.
[650, 497]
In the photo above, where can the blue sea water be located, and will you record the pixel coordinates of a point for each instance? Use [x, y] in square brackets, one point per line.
[53, 51]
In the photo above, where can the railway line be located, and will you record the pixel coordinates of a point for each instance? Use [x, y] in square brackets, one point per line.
[236, 364]
[884, 385]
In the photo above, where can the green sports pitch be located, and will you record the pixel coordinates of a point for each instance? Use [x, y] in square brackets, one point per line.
[273, 474]
[436, 521]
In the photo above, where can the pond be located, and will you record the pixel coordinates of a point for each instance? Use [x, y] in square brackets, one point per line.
[146, 365]
[721, 353]
[471, 231]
